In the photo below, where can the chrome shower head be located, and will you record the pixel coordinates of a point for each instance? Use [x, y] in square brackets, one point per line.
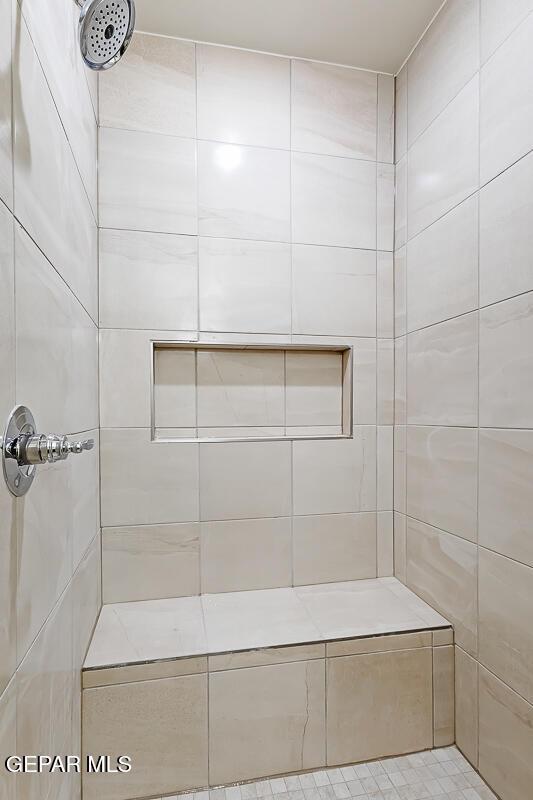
[105, 30]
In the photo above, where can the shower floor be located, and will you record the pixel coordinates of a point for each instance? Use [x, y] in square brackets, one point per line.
[441, 774]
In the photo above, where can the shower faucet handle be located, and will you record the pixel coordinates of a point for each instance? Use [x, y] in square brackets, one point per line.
[49, 448]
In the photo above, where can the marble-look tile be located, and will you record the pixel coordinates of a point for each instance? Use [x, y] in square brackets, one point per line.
[443, 162]
[505, 235]
[385, 295]
[161, 724]
[245, 480]
[175, 389]
[331, 477]
[313, 388]
[442, 63]
[243, 97]
[442, 369]
[386, 98]
[333, 201]
[400, 120]
[379, 644]
[400, 292]
[275, 713]
[334, 291]
[8, 587]
[146, 482]
[505, 605]
[506, 113]
[147, 182]
[240, 388]
[7, 318]
[45, 691]
[154, 90]
[442, 478]
[442, 569]
[400, 380]
[50, 200]
[400, 207]
[50, 373]
[364, 381]
[245, 286]
[334, 110]
[505, 499]
[154, 275]
[400, 547]
[266, 656]
[385, 206]
[385, 467]
[400, 468]
[358, 727]
[150, 562]
[148, 630]
[466, 704]
[385, 544]
[442, 268]
[385, 381]
[246, 554]
[506, 364]
[244, 192]
[8, 739]
[263, 618]
[84, 496]
[334, 547]
[150, 670]
[364, 608]
[6, 156]
[498, 21]
[443, 696]
[505, 738]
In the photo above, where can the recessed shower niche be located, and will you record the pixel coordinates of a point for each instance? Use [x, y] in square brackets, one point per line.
[242, 392]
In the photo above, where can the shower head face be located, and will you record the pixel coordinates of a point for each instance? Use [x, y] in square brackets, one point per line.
[106, 28]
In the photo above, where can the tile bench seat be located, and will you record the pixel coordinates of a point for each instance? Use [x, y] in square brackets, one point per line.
[211, 690]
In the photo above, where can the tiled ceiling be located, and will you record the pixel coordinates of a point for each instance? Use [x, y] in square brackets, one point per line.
[373, 34]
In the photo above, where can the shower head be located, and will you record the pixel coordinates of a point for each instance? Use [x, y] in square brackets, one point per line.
[105, 30]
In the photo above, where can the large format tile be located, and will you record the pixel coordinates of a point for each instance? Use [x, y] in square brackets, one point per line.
[505, 499]
[161, 724]
[147, 182]
[506, 111]
[154, 90]
[386, 113]
[379, 704]
[245, 286]
[443, 162]
[334, 547]
[6, 156]
[148, 630]
[442, 268]
[442, 478]
[8, 587]
[8, 739]
[245, 480]
[50, 200]
[506, 364]
[385, 295]
[150, 562]
[505, 234]
[313, 388]
[442, 63]
[243, 192]
[385, 206]
[7, 318]
[334, 110]
[442, 569]
[243, 97]
[333, 201]
[400, 204]
[175, 390]
[335, 476]
[443, 696]
[248, 620]
[246, 554]
[400, 117]
[266, 720]
[505, 738]
[146, 482]
[505, 608]
[334, 291]
[442, 366]
[498, 21]
[154, 275]
[466, 704]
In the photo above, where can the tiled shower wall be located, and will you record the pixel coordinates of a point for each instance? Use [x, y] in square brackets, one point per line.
[49, 540]
[464, 364]
[244, 198]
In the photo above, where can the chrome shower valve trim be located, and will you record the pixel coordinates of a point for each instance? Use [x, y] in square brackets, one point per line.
[23, 450]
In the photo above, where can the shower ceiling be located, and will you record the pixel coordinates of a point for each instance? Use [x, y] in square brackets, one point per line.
[374, 34]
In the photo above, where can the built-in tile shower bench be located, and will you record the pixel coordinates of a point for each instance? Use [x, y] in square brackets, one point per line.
[222, 688]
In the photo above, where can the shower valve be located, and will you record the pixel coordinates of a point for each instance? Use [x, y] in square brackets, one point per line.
[23, 450]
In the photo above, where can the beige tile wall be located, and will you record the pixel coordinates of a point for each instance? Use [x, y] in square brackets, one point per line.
[244, 198]
[49, 540]
[463, 455]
